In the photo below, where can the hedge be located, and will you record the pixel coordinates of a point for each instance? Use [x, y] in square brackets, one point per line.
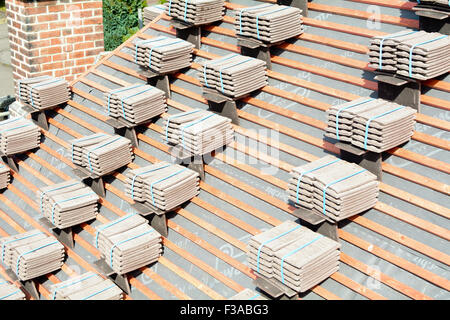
[120, 20]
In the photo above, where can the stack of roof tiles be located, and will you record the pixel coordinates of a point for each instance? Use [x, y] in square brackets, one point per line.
[8, 291]
[198, 131]
[101, 153]
[234, 75]
[269, 23]
[128, 243]
[162, 185]
[68, 203]
[163, 54]
[88, 286]
[415, 54]
[43, 92]
[294, 255]
[439, 3]
[18, 135]
[247, 294]
[137, 103]
[152, 12]
[5, 176]
[32, 254]
[334, 188]
[196, 12]
[371, 124]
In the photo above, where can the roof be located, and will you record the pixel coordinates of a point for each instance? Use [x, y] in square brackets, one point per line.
[397, 250]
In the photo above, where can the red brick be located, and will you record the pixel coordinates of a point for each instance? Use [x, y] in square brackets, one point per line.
[98, 20]
[56, 8]
[47, 18]
[77, 55]
[92, 5]
[52, 66]
[74, 39]
[51, 50]
[50, 34]
[83, 30]
[57, 25]
[83, 45]
[37, 10]
[59, 57]
[85, 61]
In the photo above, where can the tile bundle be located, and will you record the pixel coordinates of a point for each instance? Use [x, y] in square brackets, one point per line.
[371, 124]
[198, 131]
[383, 49]
[18, 135]
[162, 185]
[8, 291]
[445, 4]
[196, 12]
[128, 243]
[294, 255]
[68, 203]
[88, 286]
[43, 92]
[247, 294]
[5, 176]
[415, 54]
[425, 57]
[101, 153]
[333, 188]
[269, 23]
[152, 12]
[136, 104]
[163, 54]
[32, 254]
[234, 75]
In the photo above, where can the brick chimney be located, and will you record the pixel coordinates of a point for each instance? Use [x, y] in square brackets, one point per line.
[60, 38]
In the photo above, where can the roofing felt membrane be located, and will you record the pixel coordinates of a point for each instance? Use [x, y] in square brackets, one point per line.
[398, 250]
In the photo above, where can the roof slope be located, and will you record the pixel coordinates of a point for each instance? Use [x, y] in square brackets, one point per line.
[398, 250]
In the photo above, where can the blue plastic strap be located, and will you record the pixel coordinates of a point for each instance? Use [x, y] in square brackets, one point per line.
[287, 255]
[120, 90]
[31, 251]
[139, 174]
[366, 134]
[264, 13]
[54, 189]
[169, 176]
[226, 67]
[261, 6]
[14, 240]
[191, 124]
[130, 96]
[380, 57]
[418, 44]
[270, 240]
[185, 9]
[41, 84]
[96, 148]
[8, 295]
[177, 116]
[143, 42]
[345, 108]
[66, 200]
[255, 296]
[11, 120]
[106, 226]
[162, 45]
[334, 182]
[123, 241]
[96, 293]
[213, 62]
[309, 171]
[2, 282]
[22, 126]
[85, 139]
[170, 6]
[70, 284]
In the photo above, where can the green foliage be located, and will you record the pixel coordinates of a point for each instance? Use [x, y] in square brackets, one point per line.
[120, 20]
